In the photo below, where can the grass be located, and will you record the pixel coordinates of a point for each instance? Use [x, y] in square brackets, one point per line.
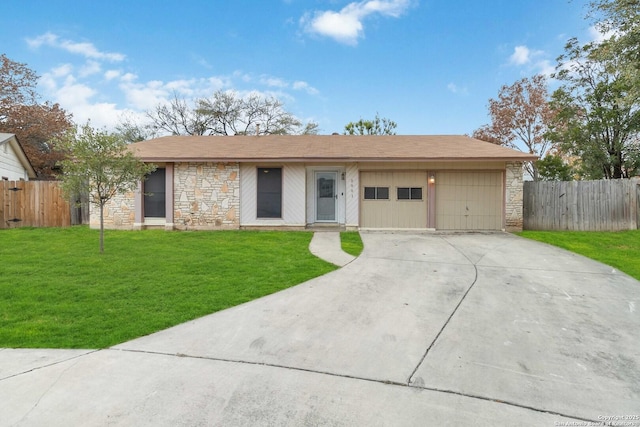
[617, 249]
[58, 291]
[351, 242]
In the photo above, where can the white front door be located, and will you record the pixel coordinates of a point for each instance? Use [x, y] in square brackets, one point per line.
[326, 196]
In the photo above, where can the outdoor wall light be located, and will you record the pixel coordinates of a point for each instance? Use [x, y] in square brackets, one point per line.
[432, 179]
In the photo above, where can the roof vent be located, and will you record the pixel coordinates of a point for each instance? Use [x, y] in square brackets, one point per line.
[257, 129]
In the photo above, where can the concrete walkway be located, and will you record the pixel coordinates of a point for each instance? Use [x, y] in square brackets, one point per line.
[326, 245]
[421, 329]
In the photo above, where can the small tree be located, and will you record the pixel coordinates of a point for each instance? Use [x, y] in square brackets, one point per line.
[377, 126]
[553, 168]
[520, 118]
[99, 164]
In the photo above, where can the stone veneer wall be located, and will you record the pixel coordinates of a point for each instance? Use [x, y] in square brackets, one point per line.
[514, 196]
[206, 196]
[119, 212]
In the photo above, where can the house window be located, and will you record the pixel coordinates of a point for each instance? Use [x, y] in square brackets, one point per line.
[376, 193]
[409, 193]
[155, 194]
[269, 193]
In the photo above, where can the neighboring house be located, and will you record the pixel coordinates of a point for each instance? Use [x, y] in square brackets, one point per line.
[14, 164]
[293, 182]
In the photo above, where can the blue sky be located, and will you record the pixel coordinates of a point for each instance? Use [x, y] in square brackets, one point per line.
[429, 65]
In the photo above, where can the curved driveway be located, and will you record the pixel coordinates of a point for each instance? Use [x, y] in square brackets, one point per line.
[421, 329]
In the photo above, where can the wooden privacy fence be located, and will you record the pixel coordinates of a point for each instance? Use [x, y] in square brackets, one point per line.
[33, 204]
[606, 205]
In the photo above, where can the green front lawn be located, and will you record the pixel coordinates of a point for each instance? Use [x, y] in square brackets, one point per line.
[58, 291]
[351, 242]
[617, 249]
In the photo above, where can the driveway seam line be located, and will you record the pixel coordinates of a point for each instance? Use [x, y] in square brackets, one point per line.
[455, 310]
[353, 377]
[50, 364]
[505, 402]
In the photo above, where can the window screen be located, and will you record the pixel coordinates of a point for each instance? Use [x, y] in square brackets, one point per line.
[154, 194]
[269, 193]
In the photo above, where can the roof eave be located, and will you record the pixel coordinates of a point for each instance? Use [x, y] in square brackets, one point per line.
[22, 156]
[334, 159]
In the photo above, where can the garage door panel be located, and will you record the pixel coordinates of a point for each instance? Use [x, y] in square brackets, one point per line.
[469, 200]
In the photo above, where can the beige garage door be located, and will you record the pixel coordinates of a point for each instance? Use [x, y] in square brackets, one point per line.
[393, 199]
[469, 201]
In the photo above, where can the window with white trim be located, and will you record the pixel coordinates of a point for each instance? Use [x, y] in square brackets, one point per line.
[269, 193]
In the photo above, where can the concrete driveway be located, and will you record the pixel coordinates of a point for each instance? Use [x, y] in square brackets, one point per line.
[421, 329]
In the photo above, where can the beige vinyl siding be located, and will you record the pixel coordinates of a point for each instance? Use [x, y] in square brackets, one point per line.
[431, 166]
[394, 213]
[469, 200]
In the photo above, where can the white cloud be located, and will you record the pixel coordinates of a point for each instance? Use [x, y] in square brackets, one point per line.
[88, 50]
[112, 74]
[128, 77]
[147, 95]
[79, 99]
[534, 60]
[273, 82]
[346, 26]
[598, 36]
[453, 88]
[90, 68]
[89, 90]
[520, 56]
[216, 83]
[62, 70]
[143, 96]
[545, 67]
[300, 85]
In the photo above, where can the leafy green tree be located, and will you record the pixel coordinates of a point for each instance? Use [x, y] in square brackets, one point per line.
[620, 20]
[98, 163]
[598, 116]
[553, 168]
[377, 126]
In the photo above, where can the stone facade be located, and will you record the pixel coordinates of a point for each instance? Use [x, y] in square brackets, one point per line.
[514, 196]
[206, 196]
[119, 212]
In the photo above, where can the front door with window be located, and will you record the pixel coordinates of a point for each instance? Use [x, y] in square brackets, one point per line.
[326, 196]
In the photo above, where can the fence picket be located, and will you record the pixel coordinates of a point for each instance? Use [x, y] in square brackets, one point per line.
[36, 204]
[605, 205]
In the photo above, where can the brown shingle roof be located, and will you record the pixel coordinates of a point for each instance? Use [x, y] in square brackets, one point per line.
[305, 148]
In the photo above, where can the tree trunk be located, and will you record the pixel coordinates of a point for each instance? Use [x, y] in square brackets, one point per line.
[101, 228]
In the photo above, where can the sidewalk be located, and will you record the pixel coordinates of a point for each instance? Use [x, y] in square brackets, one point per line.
[326, 245]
